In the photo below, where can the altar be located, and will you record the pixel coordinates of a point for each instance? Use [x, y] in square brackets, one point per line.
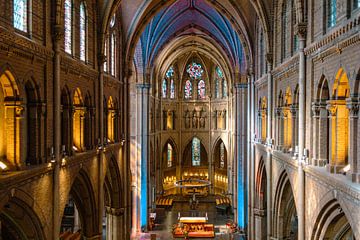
[193, 227]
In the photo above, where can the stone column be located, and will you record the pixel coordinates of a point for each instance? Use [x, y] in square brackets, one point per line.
[323, 143]
[315, 107]
[240, 154]
[143, 91]
[57, 38]
[301, 32]
[279, 126]
[101, 156]
[251, 153]
[114, 223]
[354, 160]
[269, 140]
[294, 117]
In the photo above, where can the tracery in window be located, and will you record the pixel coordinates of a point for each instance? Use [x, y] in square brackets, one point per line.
[195, 70]
[170, 72]
[82, 32]
[20, 15]
[188, 89]
[201, 89]
[164, 88]
[68, 26]
[196, 152]
[170, 155]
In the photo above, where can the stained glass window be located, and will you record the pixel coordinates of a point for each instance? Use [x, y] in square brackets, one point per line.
[169, 155]
[82, 32]
[331, 13]
[222, 155]
[195, 70]
[68, 26]
[217, 93]
[356, 3]
[172, 89]
[224, 90]
[170, 72]
[20, 15]
[112, 53]
[201, 89]
[219, 72]
[188, 89]
[195, 152]
[105, 55]
[164, 88]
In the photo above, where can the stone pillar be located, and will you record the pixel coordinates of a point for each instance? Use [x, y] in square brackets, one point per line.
[143, 91]
[252, 154]
[301, 32]
[279, 141]
[332, 136]
[354, 159]
[115, 223]
[268, 155]
[323, 143]
[57, 38]
[101, 156]
[315, 107]
[294, 117]
[240, 154]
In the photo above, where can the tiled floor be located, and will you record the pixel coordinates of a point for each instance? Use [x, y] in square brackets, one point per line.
[164, 225]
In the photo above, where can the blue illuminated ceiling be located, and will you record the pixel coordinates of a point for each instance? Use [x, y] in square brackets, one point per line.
[190, 16]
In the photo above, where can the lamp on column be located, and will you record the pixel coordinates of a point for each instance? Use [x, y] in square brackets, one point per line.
[64, 155]
[122, 141]
[52, 155]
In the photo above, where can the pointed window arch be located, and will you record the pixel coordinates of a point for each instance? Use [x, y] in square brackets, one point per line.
[20, 15]
[82, 31]
[196, 146]
[188, 90]
[68, 26]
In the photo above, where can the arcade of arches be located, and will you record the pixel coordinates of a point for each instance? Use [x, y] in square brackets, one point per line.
[116, 116]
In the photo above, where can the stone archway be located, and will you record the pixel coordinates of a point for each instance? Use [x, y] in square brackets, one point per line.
[114, 204]
[260, 201]
[285, 214]
[81, 206]
[332, 223]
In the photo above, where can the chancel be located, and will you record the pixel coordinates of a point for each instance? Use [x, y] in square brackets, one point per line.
[178, 119]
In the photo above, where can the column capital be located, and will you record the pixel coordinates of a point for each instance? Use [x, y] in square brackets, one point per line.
[115, 211]
[301, 30]
[279, 111]
[294, 108]
[332, 109]
[353, 105]
[315, 108]
[58, 33]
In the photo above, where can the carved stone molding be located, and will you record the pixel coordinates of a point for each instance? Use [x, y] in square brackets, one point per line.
[315, 108]
[353, 105]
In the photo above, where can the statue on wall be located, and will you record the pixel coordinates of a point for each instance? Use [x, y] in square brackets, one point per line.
[195, 119]
[187, 119]
[202, 118]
